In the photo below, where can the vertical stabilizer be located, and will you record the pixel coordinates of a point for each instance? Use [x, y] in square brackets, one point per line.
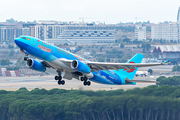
[130, 73]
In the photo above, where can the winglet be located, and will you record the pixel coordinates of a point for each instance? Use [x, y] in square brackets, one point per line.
[167, 62]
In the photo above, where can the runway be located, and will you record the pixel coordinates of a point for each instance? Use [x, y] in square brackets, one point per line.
[48, 82]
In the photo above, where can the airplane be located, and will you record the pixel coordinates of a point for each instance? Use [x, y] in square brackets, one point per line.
[67, 65]
[141, 73]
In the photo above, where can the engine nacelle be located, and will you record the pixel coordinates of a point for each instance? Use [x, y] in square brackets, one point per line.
[36, 65]
[80, 66]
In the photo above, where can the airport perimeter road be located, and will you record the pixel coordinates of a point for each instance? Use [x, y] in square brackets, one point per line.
[48, 82]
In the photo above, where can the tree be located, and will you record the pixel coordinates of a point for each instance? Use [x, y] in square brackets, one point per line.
[176, 68]
[101, 59]
[11, 53]
[126, 40]
[65, 44]
[108, 59]
[10, 46]
[122, 45]
[150, 71]
[11, 21]
[146, 46]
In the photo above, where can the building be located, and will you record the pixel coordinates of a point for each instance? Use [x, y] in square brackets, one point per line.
[178, 22]
[6, 33]
[178, 16]
[80, 34]
[22, 31]
[46, 32]
[140, 32]
[167, 32]
[165, 52]
[88, 34]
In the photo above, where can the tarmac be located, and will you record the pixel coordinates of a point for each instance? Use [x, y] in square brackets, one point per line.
[48, 82]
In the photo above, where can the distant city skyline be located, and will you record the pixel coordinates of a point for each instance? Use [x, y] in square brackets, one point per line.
[107, 11]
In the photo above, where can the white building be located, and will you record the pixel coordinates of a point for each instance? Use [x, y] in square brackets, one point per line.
[178, 22]
[140, 32]
[178, 16]
[80, 34]
[22, 31]
[44, 32]
[6, 33]
[166, 32]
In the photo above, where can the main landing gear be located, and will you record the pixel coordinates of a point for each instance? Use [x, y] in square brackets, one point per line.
[60, 81]
[86, 82]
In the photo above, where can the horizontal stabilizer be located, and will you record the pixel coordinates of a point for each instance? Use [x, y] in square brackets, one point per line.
[145, 81]
[142, 81]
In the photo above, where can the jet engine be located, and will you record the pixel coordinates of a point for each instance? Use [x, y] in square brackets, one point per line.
[80, 66]
[36, 65]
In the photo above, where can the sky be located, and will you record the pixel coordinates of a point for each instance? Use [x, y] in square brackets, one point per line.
[108, 11]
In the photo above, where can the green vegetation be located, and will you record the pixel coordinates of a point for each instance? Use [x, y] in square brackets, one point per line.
[4, 62]
[174, 81]
[176, 68]
[122, 45]
[146, 46]
[150, 103]
[150, 71]
[114, 53]
[11, 53]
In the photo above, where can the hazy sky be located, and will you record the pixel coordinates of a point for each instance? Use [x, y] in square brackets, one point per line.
[108, 11]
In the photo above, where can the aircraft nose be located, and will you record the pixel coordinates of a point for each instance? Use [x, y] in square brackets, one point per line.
[18, 42]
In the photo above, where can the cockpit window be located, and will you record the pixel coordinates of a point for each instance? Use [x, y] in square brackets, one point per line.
[23, 38]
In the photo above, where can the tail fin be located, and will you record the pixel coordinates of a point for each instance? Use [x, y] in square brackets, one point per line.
[131, 73]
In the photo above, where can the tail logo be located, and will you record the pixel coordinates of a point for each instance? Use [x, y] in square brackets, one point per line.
[130, 70]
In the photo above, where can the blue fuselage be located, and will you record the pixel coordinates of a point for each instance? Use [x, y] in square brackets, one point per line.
[49, 53]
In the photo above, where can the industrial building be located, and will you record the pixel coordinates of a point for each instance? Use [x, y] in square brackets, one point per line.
[166, 52]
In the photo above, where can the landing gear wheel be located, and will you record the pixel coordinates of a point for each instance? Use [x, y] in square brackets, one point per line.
[25, 58]
[88, 83]
[85, 78]
[60, 78]
[84, 83]
[56, 78]
[62, 82]
[59, 82]
[82, 78]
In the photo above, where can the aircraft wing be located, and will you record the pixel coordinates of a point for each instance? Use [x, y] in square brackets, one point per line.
[95, 66]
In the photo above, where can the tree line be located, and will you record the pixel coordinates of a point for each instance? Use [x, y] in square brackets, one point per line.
[149, 103]
[174, 81]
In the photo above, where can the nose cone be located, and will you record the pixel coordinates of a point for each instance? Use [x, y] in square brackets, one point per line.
[18, 42]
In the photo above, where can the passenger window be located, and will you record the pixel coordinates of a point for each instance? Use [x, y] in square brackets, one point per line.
[23, 38]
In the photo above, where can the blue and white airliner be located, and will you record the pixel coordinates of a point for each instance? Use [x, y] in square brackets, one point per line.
[67, 65]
